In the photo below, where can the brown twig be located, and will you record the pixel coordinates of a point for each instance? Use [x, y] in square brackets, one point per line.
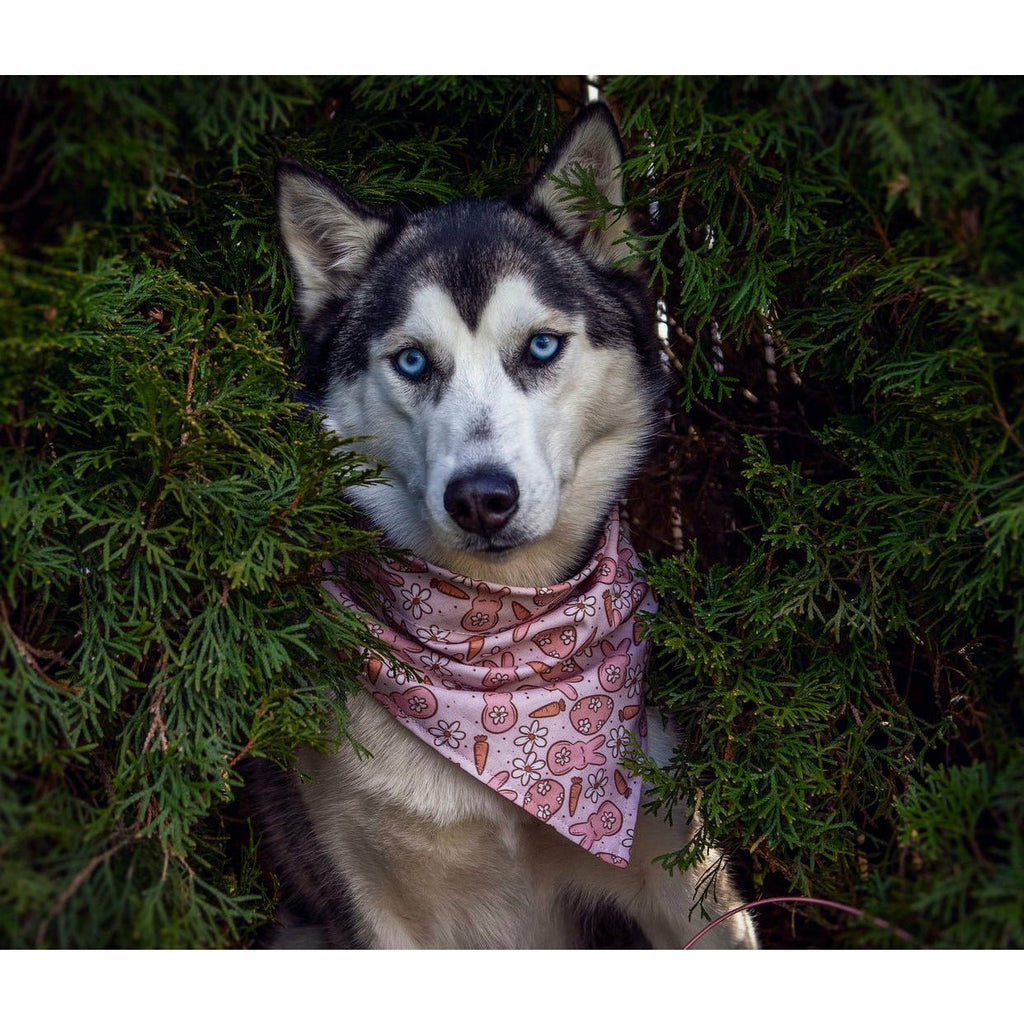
[30, 653]
[1010, 432]
[158, 724]
[76, 884]
[675, 500]
[243, 752]
[670, 355]
[682, 335]
[12, 145]
[906, 936]
[734, 178]
[33, 190]
[189, 384]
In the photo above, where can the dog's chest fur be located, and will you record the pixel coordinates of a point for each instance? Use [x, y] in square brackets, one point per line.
[452, 862]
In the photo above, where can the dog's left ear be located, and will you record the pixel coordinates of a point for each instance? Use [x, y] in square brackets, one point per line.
[591, 144]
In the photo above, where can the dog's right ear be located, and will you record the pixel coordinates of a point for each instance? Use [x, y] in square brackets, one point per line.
[328, 235]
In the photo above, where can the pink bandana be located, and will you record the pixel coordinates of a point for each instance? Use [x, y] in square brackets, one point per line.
[535, 692]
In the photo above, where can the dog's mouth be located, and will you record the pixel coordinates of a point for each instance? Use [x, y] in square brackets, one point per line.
[498, 545]
[495, 548]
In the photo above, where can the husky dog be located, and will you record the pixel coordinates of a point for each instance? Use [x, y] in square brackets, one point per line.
[499, 362]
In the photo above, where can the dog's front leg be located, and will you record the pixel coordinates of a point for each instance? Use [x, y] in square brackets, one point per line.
[664, 904]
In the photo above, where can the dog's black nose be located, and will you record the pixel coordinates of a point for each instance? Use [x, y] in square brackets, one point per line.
[483, 501]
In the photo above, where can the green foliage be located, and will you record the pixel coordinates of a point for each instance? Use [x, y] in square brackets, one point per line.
[165, 511]
[834, 517]
[848, 681]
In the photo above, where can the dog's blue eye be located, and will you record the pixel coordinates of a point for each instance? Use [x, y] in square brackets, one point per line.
[411, 362]
[544, 347]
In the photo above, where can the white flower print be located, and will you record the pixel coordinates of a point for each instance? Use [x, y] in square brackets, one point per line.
[581, 608]
[479, 619]
[436, 663]
[562, 757]
[584, 726]
[543, 788]
[531, 736]
[628, 841]
[527, 769]
[544, 811]
[399, 673]
[417, 704]
[608, 819]
[612, 674]
[617, 740]
[596, 783]
[634, 681]
[498, 715]
[447, 734]
[433, 634]
[619, 596]
[568, 636]
[595, 703]
[416, 600]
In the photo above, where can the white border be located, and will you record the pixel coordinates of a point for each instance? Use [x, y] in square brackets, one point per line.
[509, 988]
[529, 37]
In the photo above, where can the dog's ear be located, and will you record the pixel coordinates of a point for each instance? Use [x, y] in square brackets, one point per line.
[328, 235]
[590, 145]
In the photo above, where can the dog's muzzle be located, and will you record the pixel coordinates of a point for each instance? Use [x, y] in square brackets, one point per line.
[482, 501]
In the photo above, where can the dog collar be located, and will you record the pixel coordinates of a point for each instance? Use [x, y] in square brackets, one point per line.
[537, 693]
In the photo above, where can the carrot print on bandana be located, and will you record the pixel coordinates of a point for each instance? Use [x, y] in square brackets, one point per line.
[525, 684]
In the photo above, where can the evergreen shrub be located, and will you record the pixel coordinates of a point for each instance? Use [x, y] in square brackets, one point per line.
[833, 516]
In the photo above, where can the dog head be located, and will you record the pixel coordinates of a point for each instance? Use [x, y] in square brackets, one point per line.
[494, 356]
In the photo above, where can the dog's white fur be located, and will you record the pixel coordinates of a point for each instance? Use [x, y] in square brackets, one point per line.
[569, 445]
[429, 856]
[433, 859]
